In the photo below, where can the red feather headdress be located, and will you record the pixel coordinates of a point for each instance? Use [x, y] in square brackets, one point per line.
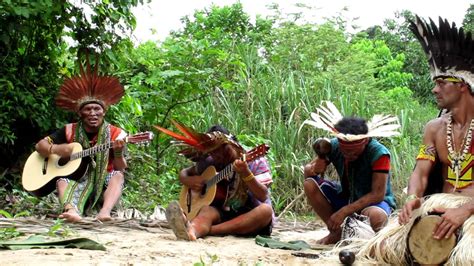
[89, 87]
[198, 144]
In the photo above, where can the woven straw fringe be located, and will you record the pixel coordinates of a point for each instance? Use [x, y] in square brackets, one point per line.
[463, 253]
[390, 244]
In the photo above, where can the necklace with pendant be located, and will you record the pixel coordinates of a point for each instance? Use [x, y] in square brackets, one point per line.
[454, 156]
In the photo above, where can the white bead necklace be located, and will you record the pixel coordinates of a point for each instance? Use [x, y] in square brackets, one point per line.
[455, 157]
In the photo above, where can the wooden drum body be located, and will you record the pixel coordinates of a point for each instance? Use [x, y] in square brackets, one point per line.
[423, 248]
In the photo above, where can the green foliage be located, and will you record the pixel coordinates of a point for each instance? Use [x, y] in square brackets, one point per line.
[59, 229]
[260, 79]
[20, 203]
[6, 214]
[307, 48]
[210, 261]
[468, 21]
[276, 90]
[30, 49]
[9, 232]
[401, 41]
[38, 43]
[167, 81]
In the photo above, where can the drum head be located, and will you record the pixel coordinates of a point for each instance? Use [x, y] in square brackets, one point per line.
[423, 247]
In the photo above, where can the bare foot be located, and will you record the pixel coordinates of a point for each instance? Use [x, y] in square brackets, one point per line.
[330, 239]
[178, 222]
[70, 216]
[104, 216]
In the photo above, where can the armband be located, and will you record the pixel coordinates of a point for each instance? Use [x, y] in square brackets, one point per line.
[248, 178]
[427, 153]
[118, 154]
[49, 139]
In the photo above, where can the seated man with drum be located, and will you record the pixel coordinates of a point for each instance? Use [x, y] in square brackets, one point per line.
[440, 206]
[363, 167]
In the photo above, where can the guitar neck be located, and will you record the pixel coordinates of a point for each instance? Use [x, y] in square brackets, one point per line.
[221, 175]
[93, 150]
[248, 157]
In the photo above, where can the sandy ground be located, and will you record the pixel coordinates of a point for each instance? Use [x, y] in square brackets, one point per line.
[130, 242]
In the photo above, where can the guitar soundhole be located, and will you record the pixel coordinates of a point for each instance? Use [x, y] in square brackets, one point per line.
[63, 161]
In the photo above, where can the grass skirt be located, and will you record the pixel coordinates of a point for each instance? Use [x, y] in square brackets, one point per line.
[390, 244]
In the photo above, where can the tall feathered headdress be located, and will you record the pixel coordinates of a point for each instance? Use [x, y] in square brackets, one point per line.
[327, 116]
[198, 144]
[450, 51]
[89, 87]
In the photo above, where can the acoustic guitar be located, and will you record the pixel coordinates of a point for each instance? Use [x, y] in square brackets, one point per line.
[40, 173]
[192, 201]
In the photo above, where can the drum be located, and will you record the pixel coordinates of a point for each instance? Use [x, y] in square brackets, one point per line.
[423, 248]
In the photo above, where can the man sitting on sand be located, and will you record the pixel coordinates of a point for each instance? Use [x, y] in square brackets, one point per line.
[89, 95]
[242, 204]
[363, 166]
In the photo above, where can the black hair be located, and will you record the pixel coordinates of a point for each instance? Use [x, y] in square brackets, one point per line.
[315, 146]
[218, 128]
[222, 129]
[352, 125]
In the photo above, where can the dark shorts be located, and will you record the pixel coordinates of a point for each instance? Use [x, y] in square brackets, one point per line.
[231, 214]
[330, 191]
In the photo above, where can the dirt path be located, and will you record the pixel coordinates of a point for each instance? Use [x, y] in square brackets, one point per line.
[129, 242]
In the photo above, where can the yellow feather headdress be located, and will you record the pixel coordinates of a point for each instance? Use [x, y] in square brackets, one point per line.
[327, 116]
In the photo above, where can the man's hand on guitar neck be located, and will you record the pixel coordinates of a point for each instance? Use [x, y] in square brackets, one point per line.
[259, 190]
[119, 160]
[118, 145]
[242, 168]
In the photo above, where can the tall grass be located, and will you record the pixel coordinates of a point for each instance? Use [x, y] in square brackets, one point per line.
[271, 104]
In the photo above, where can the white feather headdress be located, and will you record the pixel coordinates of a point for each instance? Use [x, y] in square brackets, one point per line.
[327, 116]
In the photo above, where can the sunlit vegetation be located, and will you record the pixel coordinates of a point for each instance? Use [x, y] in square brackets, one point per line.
[260, 79]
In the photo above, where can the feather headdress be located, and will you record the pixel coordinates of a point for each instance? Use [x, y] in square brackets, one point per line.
[198, 144]
[89, 87]
[327, 116]
[450, 50]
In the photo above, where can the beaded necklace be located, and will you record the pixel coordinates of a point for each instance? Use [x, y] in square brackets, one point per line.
[455, 157]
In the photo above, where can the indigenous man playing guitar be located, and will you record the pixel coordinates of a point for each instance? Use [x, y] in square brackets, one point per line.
[242, 204]
[89, 95]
